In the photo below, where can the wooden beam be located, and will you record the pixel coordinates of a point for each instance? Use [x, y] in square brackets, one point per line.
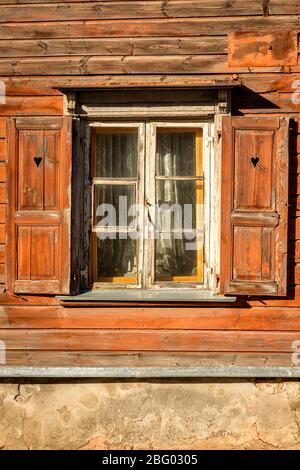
[212, 26]
[149, 340]
[86, 65]
[172, 318]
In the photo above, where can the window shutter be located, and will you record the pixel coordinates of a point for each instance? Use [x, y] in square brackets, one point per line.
[39, 187]
[254, 217]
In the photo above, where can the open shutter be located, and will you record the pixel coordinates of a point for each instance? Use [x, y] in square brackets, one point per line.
[39, 197]
[254, 206]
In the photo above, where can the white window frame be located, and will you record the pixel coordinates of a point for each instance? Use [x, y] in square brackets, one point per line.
[146, 191]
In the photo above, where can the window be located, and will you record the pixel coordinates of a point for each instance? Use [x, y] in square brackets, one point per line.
[150, 205]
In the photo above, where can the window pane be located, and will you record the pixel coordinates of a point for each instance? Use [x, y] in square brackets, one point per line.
[116, 154]
[116, 258]
[179, 257]
[178, 153]
[180, 204]
[113, 203]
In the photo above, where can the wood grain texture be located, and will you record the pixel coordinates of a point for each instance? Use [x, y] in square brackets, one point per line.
[160, 318]
[217, 6]
[113, 46]
[2, 172]
[45, 85]
[2, 274]
[133, 9]
[2, 254]
[120, 44]
[143, 359]
[32, 106]
[86, 65]
[149, 340]
[2, 213]
[2, 150]
[254, 203]
[38, 241]
[260, 49]
[255, 83]
[2, 193]
[212, 26]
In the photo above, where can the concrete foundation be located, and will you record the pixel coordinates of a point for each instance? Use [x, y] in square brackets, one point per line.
[161, 414]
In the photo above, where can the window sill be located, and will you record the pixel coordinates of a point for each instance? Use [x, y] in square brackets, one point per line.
[135, 295]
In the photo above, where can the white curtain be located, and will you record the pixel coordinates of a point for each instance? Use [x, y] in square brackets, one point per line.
[175, 156]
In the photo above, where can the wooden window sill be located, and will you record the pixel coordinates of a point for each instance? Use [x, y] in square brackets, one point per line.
[141, 296]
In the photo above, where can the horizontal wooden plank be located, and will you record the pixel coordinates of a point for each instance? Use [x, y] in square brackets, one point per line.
[2, 273]
[34, 106]
[264, 103]
[20, 2]
[2, 193]
[2, 149]
[2, 172]
[142, 359]
[292, 300]
[2, 128]
[149, 340]
[37, 85]
[134, 9]
[259, 48]
[42, 85]
[272, 7]
[177, 318]
[2, 233]
[85, 65]
[285, 83]
[295, 273]
[113, 46]
[9, 298]
[212, 7]
[2, 254]
[211, 26]
[2, 213]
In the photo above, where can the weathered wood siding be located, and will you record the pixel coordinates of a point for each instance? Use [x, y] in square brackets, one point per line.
[45, 45]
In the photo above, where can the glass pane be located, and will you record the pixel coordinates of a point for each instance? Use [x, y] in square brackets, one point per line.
[179, 257]
[116, 154]
[179, 204]
[113, 203]
[116, 258]
[178, 153]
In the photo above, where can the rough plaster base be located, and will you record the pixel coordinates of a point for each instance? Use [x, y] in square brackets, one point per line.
[168, 414]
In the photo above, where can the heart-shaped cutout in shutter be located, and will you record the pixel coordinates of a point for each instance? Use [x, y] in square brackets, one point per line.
[37, 161]
[254, 161]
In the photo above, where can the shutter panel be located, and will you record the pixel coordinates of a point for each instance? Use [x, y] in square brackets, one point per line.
[254, 217]
[39, 187]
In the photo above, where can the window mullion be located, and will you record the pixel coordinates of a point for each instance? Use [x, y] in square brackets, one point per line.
[140, 201]
[149, 204]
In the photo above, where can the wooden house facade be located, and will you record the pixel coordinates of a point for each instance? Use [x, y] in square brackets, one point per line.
[164, 101]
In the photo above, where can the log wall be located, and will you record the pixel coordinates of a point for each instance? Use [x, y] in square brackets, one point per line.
[47, 45]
